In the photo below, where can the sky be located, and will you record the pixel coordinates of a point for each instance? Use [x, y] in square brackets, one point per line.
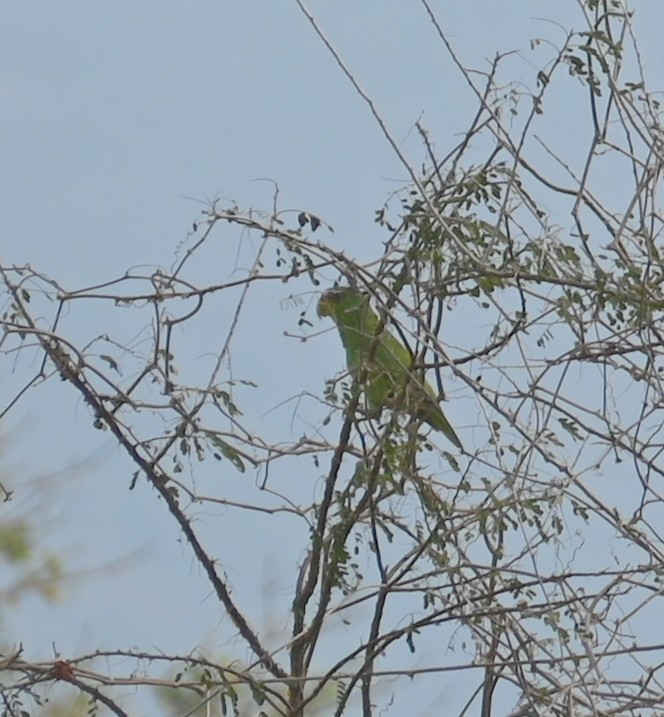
[119, 123]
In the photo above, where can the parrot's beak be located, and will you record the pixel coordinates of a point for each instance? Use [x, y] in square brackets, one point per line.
[325, 304]
[322, 309]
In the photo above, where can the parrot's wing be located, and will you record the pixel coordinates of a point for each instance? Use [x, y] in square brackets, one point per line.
[417, 396]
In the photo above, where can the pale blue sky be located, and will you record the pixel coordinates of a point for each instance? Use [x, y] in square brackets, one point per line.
[117, 120]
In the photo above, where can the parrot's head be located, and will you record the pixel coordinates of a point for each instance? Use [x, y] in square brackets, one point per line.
[336, 302]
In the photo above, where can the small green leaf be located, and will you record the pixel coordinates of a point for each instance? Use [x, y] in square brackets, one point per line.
[110, 361]
[227, 451]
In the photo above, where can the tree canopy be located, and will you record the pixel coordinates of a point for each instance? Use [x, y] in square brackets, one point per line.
[521, 267]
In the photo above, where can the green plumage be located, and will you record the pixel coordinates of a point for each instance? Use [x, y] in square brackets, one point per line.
[381, 360]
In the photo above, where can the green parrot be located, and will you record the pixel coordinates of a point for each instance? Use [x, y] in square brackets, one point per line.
[383, 361]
